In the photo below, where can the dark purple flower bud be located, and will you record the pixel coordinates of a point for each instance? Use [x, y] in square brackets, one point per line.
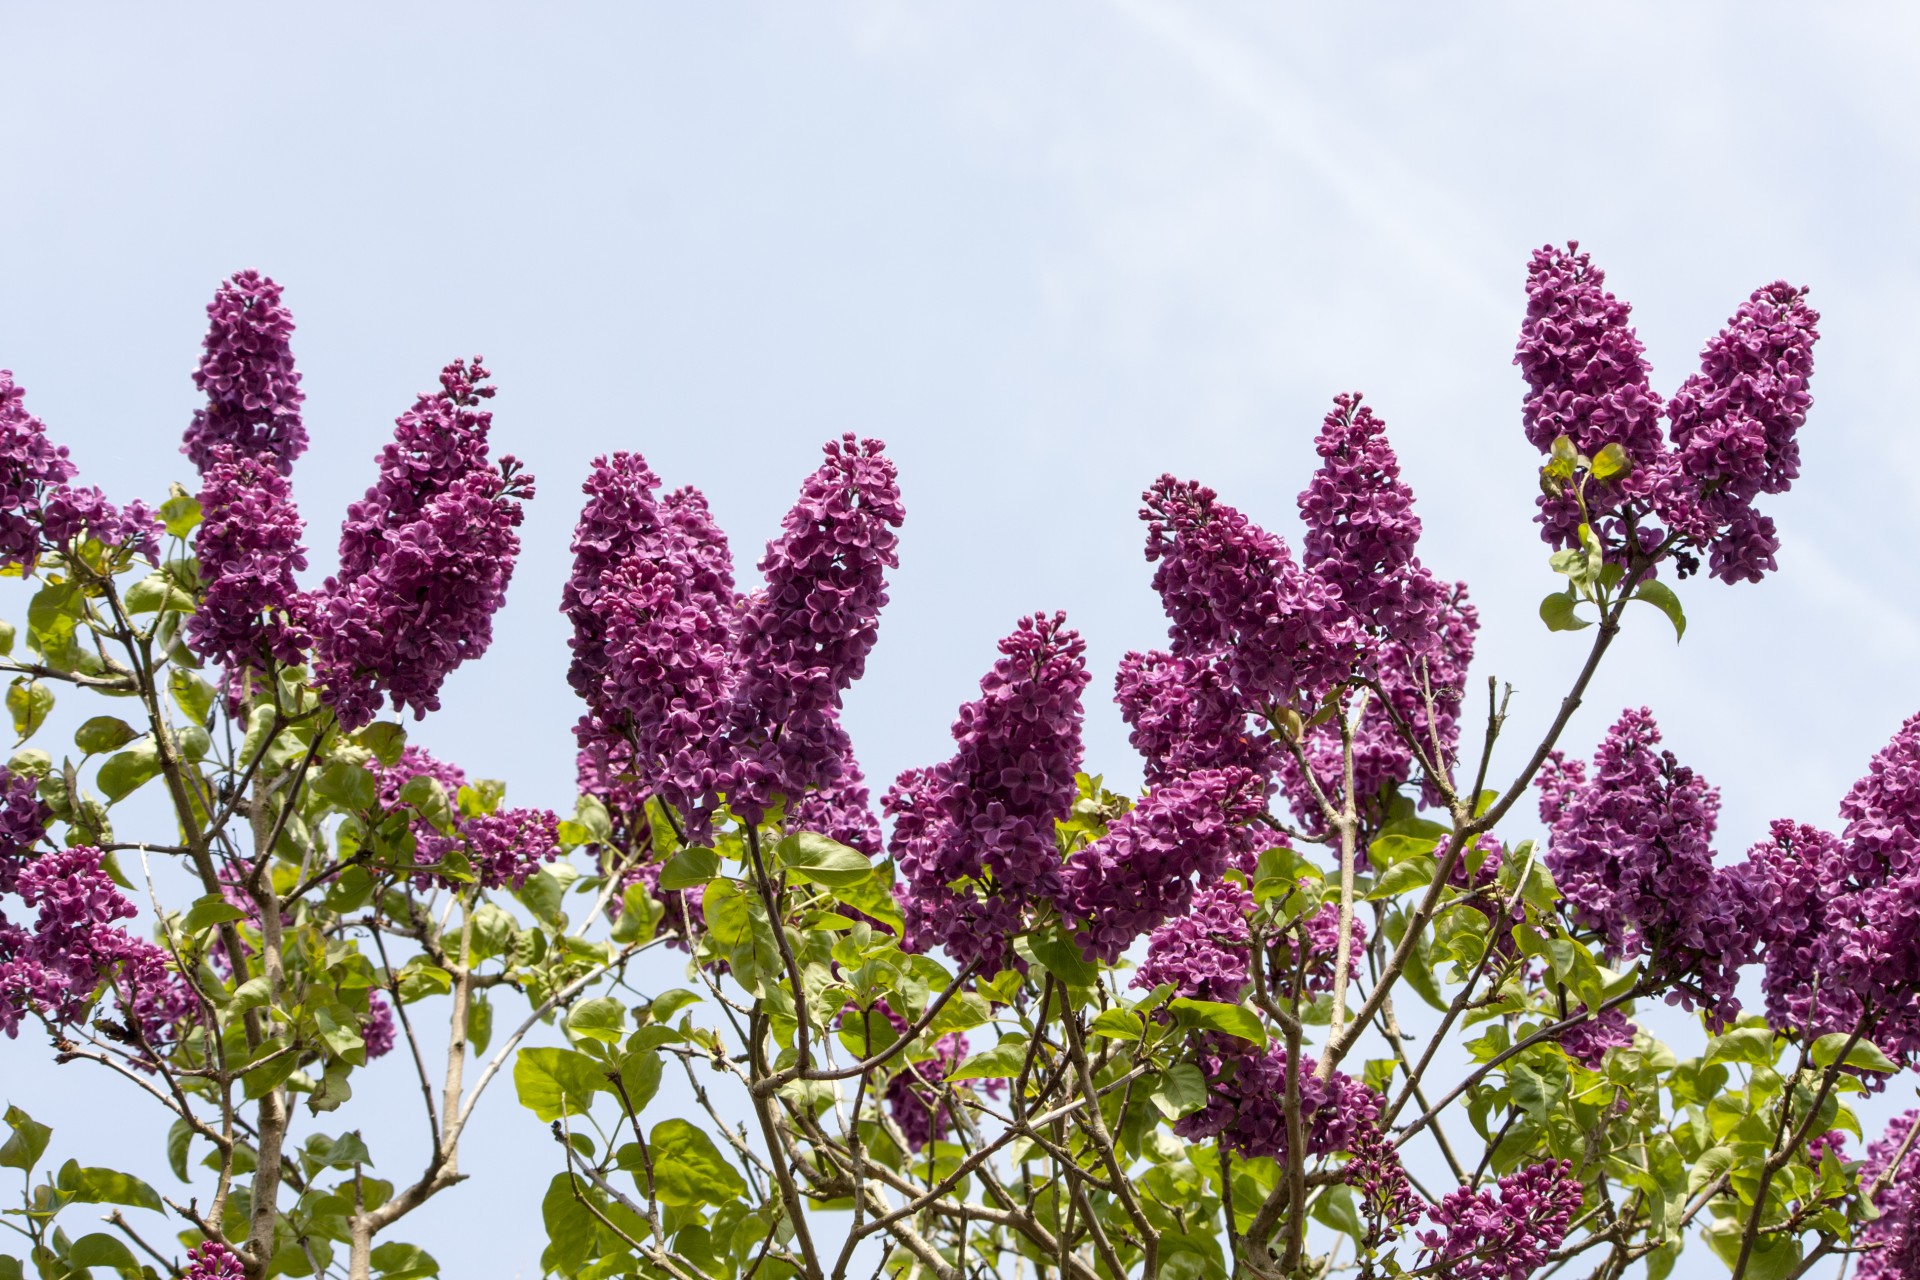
[1142, 871]
[249, 549]
[805, 635]
[985, 818]
[31, 467]
[425, 558]
[1387, 1199]
[253, 391]
[1507, 1236]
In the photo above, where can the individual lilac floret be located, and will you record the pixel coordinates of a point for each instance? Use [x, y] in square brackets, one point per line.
[1587, 1042]
[249, 549]
[253, 391]
[23, 824]
[425, 558]
[1230, 587]
[1587, 379]
[805, 635]
[1142, 871]
[212, 1260]
[1631, 851]
[985, 818]
[1246, 1094]
[653, 608]
[1508, 1236]
[31, 466]
[1734, 427]
[1894, 1236]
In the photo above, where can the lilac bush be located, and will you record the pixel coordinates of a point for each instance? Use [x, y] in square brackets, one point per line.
[1321, 999]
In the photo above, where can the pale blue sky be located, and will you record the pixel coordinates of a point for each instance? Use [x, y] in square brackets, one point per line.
[1046, 253]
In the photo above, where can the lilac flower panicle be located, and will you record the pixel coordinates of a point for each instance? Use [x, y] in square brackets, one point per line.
[55, 970]
[653, 607]
[1141, 872]
[377, 1028]
[1185, 714]
[842, 810]
[212, 1260]
[1587, 1042]
[425, 558]
[1631, 851]
[1388, 1201]
[503, 848]
[1246, 1092]
[246, 370]
[1894, 1236]
[1587, 379]
[249, 549]
[804, 637]
[984, 819]
[23, 824]
[1734, 427]
[31, 466]
[1205, 954]
[1508, 1236]
[913, 1094]
[71, 513]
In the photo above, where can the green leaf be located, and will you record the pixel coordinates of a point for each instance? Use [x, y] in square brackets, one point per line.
[602, 1018]
[26, 1144]
[689, 868]
[98, 1249]
[1001, 1062]
[179, 1146]
[351, 788]
[208, 911]
[1179, 1090]
[1117, 1024]
[1334, 1208]
[397, 1260]
[1661, 597]
[385, 739]
[1557, 612]
[103, 733]
[6, 638]
[155, 593]
[817, 859]
[1229, 1019]
[180, 514]
[1751, 1045]
[1610, 462]
[873, 897]
[125, 773]
[1403, 877]
[590, 813]
[29, 701]
[688, 1169]
[1864, 1055]
[557, 1082]
[640, 1076]
[1061, 957]
[110, 1186]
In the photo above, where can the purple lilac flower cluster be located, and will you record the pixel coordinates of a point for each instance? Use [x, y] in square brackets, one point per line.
[804, 637]
[1732, 426]
[1246, 1093]
[31, 468]
[425, 557]
[1141, 872]
[1387, 1199]
[1587, 1042]
[23, 824]
[913, 1095]
[71, 514]
[974, 835]
[1894, 1236]
[249, 549]
[246, 369]
[502, 848]
[377, 1028]
[841, 810]
[212, 1260]
[54, 970]
[1840, 915]
[653, 608]
[1508, 1236]
[1632, 852]
[1206, 954]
